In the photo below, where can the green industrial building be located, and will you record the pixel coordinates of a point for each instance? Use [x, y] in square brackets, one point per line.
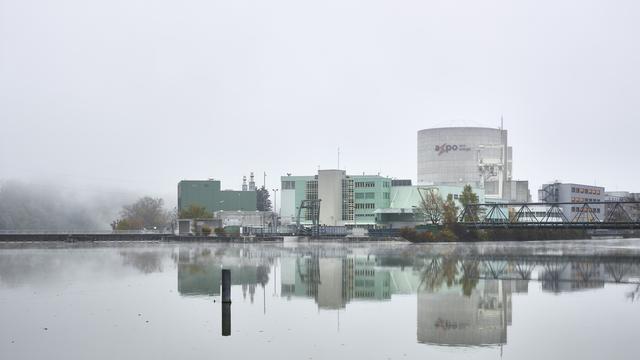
[207, 193]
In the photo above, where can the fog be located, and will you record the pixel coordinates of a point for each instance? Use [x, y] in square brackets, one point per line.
[133, 96]
[46, 206]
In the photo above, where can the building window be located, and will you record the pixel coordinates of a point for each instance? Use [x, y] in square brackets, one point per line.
[370, 195]
[365, 184]
[366, 206]
[288, 185]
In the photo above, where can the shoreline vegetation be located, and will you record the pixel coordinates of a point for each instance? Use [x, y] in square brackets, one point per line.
[442, 224]
[443, 233]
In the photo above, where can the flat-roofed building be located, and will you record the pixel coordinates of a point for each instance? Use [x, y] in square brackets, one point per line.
[207, 193]
[345, 200]
[578, 200]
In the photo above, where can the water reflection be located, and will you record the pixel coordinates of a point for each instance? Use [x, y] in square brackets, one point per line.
[199, 271]
[463, 294]
[472, 316]
[462, 299]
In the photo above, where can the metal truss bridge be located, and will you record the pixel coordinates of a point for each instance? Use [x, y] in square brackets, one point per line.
[605, 215]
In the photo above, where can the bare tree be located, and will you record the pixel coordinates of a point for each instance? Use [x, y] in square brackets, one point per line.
[431, 205]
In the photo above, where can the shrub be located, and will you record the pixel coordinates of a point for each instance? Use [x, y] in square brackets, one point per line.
[220, 232]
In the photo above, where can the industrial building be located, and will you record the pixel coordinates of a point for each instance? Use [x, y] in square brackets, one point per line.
[207, 193]
[477, 156]
[345, 200]
[631, 211]
[577, 194]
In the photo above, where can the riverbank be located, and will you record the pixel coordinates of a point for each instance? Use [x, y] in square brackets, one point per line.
[115, 237]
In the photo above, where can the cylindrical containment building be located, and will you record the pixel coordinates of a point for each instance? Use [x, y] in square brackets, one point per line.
[476, 156]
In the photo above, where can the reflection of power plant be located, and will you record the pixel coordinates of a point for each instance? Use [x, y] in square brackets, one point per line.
[333, 282]
[199, 273]
[461, 300]
[448, 317]
[574, 276]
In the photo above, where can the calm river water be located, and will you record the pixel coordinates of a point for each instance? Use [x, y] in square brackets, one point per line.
[560, 300]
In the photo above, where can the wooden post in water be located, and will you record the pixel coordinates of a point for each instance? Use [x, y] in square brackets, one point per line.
[226, 319]
[226, 286]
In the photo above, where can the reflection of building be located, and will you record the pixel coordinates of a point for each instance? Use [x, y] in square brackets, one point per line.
[574, 276]
[370, 281]
[333, 282]
[448, 317]
[332, 287]
[201, 273]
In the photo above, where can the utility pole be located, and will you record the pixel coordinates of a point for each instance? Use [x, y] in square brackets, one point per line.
[275, 207]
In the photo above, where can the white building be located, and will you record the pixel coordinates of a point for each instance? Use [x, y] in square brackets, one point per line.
[478, 156]
[576, 200]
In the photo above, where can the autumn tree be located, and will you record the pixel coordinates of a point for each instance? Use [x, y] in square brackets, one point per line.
[146, 213]
[450, 211]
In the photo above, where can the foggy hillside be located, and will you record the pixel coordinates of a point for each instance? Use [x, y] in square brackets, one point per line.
[32, 206]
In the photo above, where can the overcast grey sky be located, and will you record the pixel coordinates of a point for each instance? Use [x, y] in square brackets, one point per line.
[136, 95]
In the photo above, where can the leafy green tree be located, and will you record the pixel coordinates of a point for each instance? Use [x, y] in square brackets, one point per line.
[468, 197]
[195, 212]
[263, 201]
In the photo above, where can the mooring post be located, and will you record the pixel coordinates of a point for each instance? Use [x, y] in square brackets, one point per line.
[226, 319]
[226, 286]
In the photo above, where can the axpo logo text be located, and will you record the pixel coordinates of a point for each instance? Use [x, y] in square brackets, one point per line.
[445, 148]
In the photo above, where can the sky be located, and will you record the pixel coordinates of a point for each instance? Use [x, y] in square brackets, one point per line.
[133, 96]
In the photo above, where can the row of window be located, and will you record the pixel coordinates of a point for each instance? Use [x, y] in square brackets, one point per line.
[583, 200]
[365, 184]
[363, 272]
[366, 206]
[584, 209]
[578, 190]
[371, 195]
